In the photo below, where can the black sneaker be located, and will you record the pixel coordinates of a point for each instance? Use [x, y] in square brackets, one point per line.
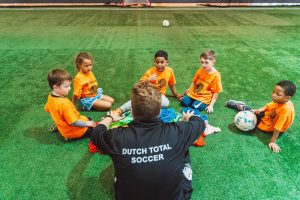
[237, 105]
[53, 128]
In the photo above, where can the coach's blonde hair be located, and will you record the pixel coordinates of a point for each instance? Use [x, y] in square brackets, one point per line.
[145, 101]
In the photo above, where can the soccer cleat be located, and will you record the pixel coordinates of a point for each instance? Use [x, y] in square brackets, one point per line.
[199, 142]
[237, 105]
[53, 128]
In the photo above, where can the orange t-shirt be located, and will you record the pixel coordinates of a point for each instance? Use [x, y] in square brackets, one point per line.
[163, 79]
[277, 116]
[85, 85]
[63, 113]
[205, 85]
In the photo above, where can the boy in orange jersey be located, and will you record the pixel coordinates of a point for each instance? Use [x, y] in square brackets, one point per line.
[161, 76]
[206, 85]
[276, 116]
[69, 122]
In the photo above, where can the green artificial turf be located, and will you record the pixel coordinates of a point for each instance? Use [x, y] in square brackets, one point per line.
[255, 49]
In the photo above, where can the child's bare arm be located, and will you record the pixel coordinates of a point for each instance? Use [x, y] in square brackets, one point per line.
[259, 110]
[173, 90]
[74, 99]
[272, 144]
[210, 107]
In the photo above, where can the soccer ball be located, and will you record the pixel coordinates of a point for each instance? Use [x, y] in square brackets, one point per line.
[166, 23]
[245, 120]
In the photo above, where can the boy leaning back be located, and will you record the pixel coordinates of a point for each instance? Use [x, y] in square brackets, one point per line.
[276, 116]
[70, 123]
[206, 85]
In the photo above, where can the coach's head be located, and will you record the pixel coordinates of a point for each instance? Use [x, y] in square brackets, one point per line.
[145, 101]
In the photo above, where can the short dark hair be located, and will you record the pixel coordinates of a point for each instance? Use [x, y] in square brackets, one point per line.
[288, 86]
[145, 101]
[209, 54]
[161, 53]
[57, 77]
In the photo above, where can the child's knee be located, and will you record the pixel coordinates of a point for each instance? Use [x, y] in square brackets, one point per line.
[112, 101]
[186, 101]
[199, 105]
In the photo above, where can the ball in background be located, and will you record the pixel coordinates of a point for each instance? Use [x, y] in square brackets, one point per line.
[166, 23]
[245, 120]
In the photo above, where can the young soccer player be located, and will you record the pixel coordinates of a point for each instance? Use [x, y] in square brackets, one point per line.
[206, 85]
[70, 123]
[276, 116]
[162, 76]
[86, 86]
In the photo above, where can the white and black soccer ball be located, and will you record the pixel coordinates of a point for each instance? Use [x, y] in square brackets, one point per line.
[166, 23]
[245, 120]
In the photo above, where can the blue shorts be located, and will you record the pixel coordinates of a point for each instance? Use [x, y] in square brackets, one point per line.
[187, 101]
[87, 103]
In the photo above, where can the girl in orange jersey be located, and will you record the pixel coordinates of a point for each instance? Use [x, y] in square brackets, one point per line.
[86, 88]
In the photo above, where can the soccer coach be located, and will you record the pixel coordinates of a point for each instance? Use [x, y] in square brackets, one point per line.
[151, 159]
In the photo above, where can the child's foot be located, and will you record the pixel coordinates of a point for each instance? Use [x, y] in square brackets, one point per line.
[211, 130]
[199, 142]
[118, 112]
[237, 105]
[53, 128]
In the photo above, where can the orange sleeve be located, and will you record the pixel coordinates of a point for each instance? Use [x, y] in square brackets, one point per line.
[216, 85]
[147, 74]
[172, 80]
[196, 77]
[70, 114]
[77, 87]
[283, 121]
[46, 108]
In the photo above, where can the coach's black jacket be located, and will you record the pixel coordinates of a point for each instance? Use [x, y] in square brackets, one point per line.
[151, 159]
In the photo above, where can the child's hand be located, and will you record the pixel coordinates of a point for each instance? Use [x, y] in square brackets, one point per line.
[186, 116]
[90, 124]
[275, 148]
[209, 109]
[115, 116]
[179, 96]
[256, 111]
[152, 77]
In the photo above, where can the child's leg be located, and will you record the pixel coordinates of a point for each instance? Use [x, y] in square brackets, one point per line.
[107, 98]
[237, 105]
[210, 129]
[101, 105]
[126, 106]
[164, 101]
[199, 105]
[186, 101]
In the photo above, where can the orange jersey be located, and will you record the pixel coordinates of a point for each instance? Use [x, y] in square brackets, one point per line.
[277, 116]
[205, 85]
[85, 85]
[163, 79]
[64, 113]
